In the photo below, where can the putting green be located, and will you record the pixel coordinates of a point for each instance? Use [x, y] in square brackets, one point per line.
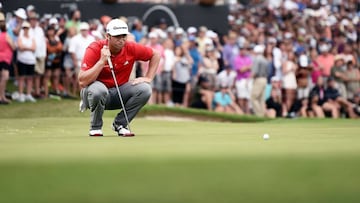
[51, 159]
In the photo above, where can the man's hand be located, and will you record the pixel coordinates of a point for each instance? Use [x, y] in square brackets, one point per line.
[140, 80]
[105, 54]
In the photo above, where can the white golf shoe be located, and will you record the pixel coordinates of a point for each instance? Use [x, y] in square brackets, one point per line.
[122, 131]
[95, 133]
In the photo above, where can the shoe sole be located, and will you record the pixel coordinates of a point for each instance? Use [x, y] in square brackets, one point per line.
[127, 135]
[96, 135]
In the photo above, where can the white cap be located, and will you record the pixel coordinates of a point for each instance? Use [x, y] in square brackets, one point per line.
[53, 21]
[211, 34]
[30, 7]
[191, 30]
[179, 31]
[303, 61]
[259, 49]
[117, 27]
[21, 13]
[153, 35]
[84, 26]
[25, 24]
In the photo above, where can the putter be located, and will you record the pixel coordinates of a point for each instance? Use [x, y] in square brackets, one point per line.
[120, 97]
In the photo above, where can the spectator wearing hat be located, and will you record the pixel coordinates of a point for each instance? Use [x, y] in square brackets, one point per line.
[6, 54]
[196, 58]
[259, 75]
[179, 36]
[225, 101]
[14, 24]
[210, 65]
[203, 40]
[352, 74]
[40, 51]
[338, 73]
[78, 45]
[26, 60]
[70, 77]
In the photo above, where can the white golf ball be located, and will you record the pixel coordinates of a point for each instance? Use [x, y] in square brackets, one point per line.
[266, 136]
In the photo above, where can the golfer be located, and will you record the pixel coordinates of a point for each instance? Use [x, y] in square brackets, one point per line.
[99, 90]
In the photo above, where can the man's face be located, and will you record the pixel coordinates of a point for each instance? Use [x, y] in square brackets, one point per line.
[118, 41]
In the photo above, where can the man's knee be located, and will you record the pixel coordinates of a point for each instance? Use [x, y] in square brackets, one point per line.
[97, 92]
[144, 90]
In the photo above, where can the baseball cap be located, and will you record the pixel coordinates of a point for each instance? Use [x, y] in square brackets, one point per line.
[153, 35]
[259, 49]
[21, 13]
[2, 17]
[25, 24]
[117, 27]
[303, 61]
[191, 30]
[53, 21]
[84, 26]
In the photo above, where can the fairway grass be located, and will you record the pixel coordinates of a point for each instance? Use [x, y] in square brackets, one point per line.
[51, 159]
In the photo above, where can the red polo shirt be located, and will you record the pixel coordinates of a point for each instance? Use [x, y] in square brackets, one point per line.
[122, 62]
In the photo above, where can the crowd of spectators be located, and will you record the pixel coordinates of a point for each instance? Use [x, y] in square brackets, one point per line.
[279, 59]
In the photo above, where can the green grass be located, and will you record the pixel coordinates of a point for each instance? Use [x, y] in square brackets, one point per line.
[46, 156]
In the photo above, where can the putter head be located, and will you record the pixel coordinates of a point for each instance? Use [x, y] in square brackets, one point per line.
[130, 134]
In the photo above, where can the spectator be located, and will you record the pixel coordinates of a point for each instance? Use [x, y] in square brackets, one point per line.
[338, 73]
[154, 43]
[14, 24]
[210, 65]
[40, 52]
[74, 20]
[274, 106]
[333, 96]
[26, 60]
[196, 58]
[6, 54]
[225, 101]
[242, 65]
[231, 49]
[228, 77]
[317, 94]
[137, 30]
[259, 75]
[352, 74]
[169, 58]
[289, 82]
[179, 36]
[53, 62]
[77, 46]
[70, 77]
[325, 60]
[203, 95]
[202, 40]
[181, 76]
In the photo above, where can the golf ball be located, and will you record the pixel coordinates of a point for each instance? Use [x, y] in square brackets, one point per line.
[266, 136]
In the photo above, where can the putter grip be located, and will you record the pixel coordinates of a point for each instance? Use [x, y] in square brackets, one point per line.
[110, 63]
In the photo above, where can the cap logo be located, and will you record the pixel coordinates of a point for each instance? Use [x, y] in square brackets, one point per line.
[118, 28]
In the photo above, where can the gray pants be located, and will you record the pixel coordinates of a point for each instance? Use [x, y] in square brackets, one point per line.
[97, 97]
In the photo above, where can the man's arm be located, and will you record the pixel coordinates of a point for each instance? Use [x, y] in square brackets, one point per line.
[150, 74]
[88, 76]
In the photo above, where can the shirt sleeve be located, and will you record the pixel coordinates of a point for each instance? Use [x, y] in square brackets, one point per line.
[141, 52]
[92, 55]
